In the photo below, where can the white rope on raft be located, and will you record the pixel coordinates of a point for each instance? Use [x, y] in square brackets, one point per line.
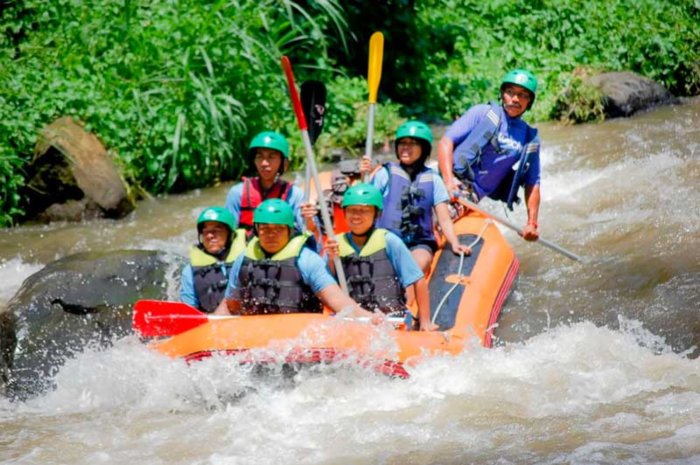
[479, 237]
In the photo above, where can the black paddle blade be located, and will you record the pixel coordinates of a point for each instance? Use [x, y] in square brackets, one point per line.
[313, 103]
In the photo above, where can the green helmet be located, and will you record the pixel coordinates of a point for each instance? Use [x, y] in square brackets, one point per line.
[274, 211]
[416, 130]
[270, 140]
[217, 214]
[522, 78]
[363, 194]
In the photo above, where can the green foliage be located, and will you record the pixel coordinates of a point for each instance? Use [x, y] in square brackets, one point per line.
[578, 102]
[10, 183]
[553, 39]
[347, 113]
[175, 89]
[656, 39]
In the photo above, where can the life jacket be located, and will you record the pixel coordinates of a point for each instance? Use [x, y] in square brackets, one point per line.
[274, 285]
[372, 280]
[467, 155]
[408, 207]
[252, 196]
[211, 275]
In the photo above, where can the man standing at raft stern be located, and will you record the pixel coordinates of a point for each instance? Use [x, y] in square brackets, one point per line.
[278, 273]
[490, 151]
[204, 279]
[269, 152]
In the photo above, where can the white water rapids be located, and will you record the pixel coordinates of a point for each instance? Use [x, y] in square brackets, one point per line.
[589, 367]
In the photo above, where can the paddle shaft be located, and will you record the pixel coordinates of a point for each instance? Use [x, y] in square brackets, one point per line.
[370, 137]
[311, 162]
[324, 208]
[518, 230]
[209, 318]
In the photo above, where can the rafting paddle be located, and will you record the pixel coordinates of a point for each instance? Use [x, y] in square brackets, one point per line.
[154, 318]
[515, 228]
[374, 75]
[158, 318]
[311, 161]
[313, 104]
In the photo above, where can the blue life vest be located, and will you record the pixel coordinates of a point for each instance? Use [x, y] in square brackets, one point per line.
[408, 206]
[467, 155]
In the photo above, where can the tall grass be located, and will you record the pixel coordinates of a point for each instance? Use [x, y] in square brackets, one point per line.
[174, 89]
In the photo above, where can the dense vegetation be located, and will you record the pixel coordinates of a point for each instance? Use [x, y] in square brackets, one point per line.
[176, 88]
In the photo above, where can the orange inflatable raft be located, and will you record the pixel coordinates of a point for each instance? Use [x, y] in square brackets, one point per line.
[467, 295]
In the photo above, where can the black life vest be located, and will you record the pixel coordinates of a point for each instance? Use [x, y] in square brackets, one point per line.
[274, 285]
[211, 275]
[371, 278]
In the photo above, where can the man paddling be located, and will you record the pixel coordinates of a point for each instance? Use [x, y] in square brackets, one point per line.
[269, 152]
[204, 279]
[279, 274]
[490, 151]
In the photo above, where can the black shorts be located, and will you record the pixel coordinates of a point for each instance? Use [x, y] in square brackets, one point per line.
[428, 245]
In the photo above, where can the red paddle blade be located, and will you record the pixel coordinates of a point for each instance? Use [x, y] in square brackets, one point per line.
[154, 318]
[296, 102]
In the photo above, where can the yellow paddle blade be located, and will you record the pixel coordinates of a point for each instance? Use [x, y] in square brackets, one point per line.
[374, 70]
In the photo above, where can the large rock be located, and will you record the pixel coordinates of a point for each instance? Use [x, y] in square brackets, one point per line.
[625, 93]
[71, 177]
[78, 300]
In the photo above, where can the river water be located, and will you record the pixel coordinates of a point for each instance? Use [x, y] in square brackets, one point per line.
[594, 361]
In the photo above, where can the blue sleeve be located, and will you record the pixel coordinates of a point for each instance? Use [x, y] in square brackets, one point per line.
[187, 292]
[460, 129]
[233, 276]
[532, 175]
[233, 201]
[380, 180]
[440, 194]
[314, 271]
[295, 199]
[401, 259]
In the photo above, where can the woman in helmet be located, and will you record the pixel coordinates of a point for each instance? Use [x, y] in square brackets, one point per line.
[269, 152]
[204, 279]
[412, 192]
[278, 273]
[490, 151]
[377, 264]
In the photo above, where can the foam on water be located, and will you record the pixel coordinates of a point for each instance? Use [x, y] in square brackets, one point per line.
[13, 272]
[570, 391]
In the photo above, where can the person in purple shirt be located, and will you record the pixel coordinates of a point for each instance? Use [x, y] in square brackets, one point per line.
[491, 152]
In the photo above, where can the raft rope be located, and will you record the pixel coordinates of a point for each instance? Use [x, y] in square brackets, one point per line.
[479, 237]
